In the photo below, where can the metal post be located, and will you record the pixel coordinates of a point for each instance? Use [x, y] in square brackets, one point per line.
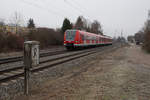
[26, 81]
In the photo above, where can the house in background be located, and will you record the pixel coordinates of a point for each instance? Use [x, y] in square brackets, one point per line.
[13, 29]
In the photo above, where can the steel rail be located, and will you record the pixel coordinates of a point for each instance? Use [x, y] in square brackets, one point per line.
[41, 62]
[36, 69]
[20, 58]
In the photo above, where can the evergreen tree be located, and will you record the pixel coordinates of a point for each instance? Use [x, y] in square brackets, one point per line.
[66, 25]
[31, 23]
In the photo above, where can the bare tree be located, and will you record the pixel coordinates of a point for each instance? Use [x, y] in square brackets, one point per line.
[147, 34]
[139, 36]
[84, 24]
[96, 27]
[2, 22]
[16, 20]
[79, 23]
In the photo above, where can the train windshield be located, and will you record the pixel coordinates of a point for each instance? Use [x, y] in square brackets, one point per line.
[70, 35]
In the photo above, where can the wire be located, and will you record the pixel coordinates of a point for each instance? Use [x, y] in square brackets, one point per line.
[79, 5]
[38, 6]
[54, 7]
[77, 8]
[72, 6]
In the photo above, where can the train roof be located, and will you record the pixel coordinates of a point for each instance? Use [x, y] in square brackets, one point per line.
[104, 36]
[89, 33]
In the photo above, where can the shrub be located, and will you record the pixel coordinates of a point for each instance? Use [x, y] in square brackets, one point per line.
[9, 42]
[146, 44]
[46, 37]
[15, 42]
[2, 41]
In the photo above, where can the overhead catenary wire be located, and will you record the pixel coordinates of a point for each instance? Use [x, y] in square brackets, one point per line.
[72, 13]
[78, 8]
[50, 10]
[83, 8]
[43, 8]
[62, 10]
[72, 6]
[59, 14]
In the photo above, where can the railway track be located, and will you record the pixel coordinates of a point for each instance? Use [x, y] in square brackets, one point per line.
[48, 60]
[20, 58]
[13, 73]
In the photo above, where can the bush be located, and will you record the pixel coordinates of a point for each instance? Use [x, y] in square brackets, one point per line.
[2, 41]
[146, 44]
[46, 37]
[14, 42]
[9, 42]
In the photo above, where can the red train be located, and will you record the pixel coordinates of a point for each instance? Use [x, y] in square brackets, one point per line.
[76, 38]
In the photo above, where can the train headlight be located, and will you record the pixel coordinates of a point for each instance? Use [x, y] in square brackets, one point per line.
[76, 41]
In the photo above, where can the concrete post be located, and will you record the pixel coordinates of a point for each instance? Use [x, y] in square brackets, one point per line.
[31, 59]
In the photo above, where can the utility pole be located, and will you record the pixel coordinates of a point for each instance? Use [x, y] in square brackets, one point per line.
[121, 37]
[149, 15]
[115, 33]
[148, 21]
[115, 37]
[121, 34]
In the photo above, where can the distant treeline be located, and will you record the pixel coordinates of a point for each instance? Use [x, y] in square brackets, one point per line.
[10, 41]
[46, 37]
[83, 24]
[143, 36]
[146, 45]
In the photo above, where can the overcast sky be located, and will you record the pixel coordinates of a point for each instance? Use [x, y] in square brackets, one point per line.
[114, 15]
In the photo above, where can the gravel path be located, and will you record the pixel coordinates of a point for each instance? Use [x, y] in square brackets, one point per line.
[123, 74]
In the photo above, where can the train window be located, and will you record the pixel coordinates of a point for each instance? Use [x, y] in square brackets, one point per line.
[99, 39]
[88, 37]
[103, 39]
[82, 36]
[85, 37]
[70, 35]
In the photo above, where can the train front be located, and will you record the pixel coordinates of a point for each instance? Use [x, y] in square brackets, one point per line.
[70, 38]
